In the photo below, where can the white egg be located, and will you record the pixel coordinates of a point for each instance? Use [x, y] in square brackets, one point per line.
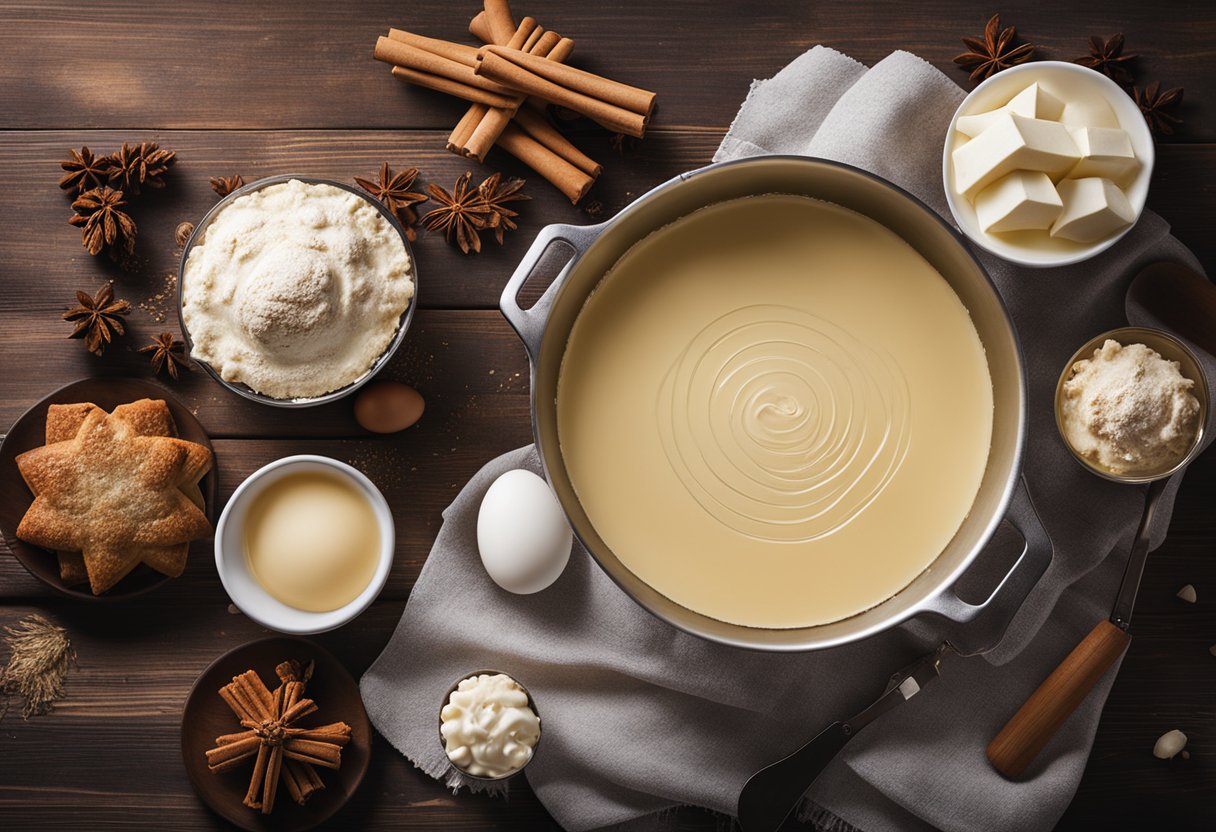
[522, 534]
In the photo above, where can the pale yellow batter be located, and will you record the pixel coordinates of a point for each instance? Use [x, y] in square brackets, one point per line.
[775, 412]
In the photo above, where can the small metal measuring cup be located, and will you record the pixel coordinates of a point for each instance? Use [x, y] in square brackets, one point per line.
[1169, 348]
[1035, 723]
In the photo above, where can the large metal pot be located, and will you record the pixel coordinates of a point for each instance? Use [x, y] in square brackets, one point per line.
[545, 329]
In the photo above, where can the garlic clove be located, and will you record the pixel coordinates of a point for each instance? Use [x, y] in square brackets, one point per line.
[1169, 744]
[1187, 593]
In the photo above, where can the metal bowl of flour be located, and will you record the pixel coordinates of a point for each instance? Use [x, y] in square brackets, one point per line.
[403, 324]
[1169, 348]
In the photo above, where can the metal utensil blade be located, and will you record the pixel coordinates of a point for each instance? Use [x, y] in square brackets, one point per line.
[771, 794]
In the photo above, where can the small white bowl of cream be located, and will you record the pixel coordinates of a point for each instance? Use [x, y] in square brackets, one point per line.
[489, 726]
[305, 544]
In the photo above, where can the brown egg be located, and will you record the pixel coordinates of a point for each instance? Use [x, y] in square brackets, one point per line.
[388, 406]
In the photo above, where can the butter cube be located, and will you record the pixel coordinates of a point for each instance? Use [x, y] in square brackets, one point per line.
[1012, 143]
[1090, 111]
[1106, 152]
[1019, 201]
[1032, 102]
[1093, 208]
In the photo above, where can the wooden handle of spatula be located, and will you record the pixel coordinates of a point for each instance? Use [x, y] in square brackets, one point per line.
[1036, 722]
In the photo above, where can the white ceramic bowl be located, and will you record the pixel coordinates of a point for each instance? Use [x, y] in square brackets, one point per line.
[243, 588]
[1036, 248]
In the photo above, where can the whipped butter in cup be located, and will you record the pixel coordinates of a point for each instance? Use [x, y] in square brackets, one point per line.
[489, 726]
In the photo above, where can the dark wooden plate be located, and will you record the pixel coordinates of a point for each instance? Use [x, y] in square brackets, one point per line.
[206, 717]
[30, 432]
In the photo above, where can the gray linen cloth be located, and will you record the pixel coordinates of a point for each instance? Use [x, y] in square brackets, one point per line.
[639, 717]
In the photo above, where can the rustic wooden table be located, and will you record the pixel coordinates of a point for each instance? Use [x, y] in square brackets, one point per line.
[261, 88]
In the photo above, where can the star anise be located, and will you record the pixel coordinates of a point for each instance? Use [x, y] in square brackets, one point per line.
[98, 318]
[167, 352]
[461, 213]
[393, 191]
[224, 185]
[104, 225]
[133, 166]
[1106, 56]
[84, 171]
[496, 195]
[181, 234]
[994, 53]
[1157, 107]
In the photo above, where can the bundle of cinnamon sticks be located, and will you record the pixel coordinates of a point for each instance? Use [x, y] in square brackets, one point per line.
[280, 750]
[507, 82]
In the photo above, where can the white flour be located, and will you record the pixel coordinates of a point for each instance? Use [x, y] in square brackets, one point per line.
[1129, 410]
[296, 289]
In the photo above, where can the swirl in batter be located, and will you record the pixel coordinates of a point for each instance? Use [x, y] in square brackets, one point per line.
[781, 425]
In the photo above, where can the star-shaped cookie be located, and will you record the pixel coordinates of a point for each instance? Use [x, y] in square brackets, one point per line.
[149, 417]
[108, 491]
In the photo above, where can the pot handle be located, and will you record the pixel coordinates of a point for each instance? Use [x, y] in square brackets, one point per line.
[986, 622]
[530, 323]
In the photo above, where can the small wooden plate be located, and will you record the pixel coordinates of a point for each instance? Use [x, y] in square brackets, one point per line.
[29, 432]
[206, 716]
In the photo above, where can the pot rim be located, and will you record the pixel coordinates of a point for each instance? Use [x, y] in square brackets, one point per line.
[785, 639]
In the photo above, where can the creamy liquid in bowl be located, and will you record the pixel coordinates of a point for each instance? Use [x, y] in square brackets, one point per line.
[775, 412]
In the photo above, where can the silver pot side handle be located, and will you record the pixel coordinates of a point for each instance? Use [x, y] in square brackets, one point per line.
[529, 324]
[987, 621]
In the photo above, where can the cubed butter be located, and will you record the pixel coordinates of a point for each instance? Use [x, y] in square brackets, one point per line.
[1106, 152]
[1032, 102]
[1019, 201]
[1012, 143]
[1088, 111]
[1093, 208]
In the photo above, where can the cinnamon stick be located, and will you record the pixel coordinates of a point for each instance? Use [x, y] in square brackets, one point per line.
[464, 127]
[270, 788]
[501, 23]
[403, 54]
[503, 72]
[253, 797]
[227, 739]
[568, 179]
[560, 53]
[293, 782]
[487, 131]
[314, 752]
[479, 27]
[459, 139]
[540, 128]
[337, 733]
[454, 88]
[459, 52]
[224, 757]
[533, 38]
[248, 697]
[627, 97]
[307, 781]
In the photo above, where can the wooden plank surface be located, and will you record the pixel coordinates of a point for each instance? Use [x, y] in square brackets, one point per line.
[38, 211]
[236, 64]
[237, 86]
